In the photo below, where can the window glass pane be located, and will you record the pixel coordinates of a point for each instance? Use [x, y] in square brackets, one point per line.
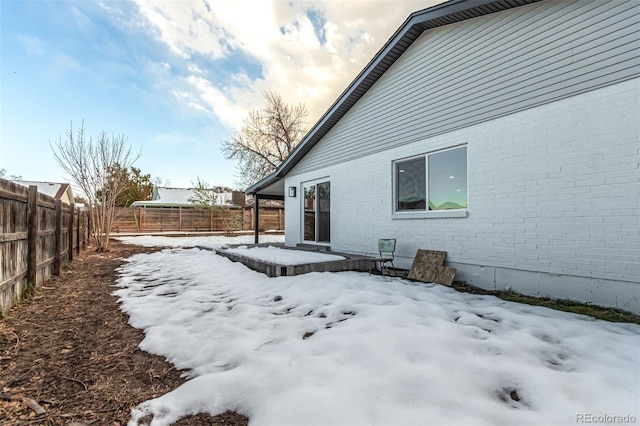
[448, 180]
[324, 212]
[310, 213]
[411, 189]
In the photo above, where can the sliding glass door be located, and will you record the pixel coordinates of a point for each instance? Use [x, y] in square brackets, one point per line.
[317, 212]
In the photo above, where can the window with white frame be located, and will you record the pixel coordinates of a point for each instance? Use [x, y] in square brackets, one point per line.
[433, 181]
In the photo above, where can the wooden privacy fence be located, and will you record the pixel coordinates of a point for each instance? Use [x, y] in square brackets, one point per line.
[39, 235]
[184, 219]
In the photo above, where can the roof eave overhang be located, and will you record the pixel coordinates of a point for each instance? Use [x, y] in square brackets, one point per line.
[443, 14]
[269, 187]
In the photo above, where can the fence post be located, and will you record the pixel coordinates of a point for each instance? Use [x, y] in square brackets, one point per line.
[57, 238]
[77, 224]
[179, 218]
[82, 213]
[85, 229]
[32, 242]
[72, 210]
[90, 226]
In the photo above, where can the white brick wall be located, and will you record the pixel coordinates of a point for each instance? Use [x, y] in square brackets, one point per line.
[552, 190]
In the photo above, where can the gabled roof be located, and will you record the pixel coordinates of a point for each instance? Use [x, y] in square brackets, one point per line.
[52, 189]
[437, 16]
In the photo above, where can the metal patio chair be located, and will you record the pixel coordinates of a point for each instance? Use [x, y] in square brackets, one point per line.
[386, 250]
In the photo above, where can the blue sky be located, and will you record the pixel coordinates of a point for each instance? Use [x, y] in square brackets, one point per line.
[176, 77]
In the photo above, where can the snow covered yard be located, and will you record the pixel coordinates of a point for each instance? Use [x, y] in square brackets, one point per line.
[209, 242]
[352, 349]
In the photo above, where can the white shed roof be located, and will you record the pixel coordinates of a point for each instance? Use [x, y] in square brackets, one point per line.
[52, 189]
[179, 197]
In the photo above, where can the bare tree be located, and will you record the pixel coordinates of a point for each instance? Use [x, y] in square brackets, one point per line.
[97, 167]
[266, 138]
[207, 197]
[3, 175]
[204, 195]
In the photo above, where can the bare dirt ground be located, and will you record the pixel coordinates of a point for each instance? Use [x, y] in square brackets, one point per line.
[71, 351]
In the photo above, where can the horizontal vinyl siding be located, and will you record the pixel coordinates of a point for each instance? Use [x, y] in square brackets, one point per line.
[487, 67]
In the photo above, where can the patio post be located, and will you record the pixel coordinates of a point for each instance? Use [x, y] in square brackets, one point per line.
[257, 229]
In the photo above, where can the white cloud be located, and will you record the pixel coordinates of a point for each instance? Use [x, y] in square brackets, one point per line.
[33, 45]
[281, 38]
[194, 69]
[227, 105]
[82, 20]
[63, 63]
[186, 27]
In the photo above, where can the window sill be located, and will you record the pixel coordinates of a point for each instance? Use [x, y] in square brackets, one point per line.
[437, 214]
